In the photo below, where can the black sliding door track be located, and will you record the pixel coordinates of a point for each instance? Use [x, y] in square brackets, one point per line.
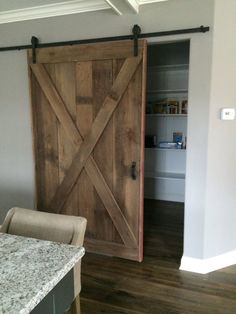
[201, 29]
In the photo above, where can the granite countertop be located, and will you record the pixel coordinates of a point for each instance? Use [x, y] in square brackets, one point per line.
[30, 269]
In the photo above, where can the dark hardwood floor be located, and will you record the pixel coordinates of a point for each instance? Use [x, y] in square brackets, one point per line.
[116, 286]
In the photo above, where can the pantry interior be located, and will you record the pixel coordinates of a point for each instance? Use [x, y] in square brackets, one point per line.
[166, 122]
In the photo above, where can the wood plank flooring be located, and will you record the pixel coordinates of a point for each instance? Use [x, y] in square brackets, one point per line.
[116, 286]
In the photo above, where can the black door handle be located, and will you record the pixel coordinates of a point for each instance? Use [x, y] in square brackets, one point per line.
[133, 171]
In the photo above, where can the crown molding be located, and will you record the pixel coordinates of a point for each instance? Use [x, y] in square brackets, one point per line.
[71, 7]
[50, 10]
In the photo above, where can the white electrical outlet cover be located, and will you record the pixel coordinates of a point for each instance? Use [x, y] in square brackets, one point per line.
[227, 114]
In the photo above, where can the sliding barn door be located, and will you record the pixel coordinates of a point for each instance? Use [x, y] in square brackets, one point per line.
[88, 122]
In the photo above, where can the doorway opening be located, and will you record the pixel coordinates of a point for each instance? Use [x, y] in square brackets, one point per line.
[166, 148]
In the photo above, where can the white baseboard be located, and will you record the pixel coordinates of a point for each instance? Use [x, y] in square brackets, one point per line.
[204, 266]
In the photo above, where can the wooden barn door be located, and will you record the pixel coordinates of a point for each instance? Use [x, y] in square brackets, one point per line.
[88, 121]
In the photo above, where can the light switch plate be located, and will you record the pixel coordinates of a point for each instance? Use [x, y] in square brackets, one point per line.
[227, 114]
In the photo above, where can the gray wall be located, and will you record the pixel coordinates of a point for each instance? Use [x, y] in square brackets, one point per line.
[197, 143]
[16, 161]
[220, 211]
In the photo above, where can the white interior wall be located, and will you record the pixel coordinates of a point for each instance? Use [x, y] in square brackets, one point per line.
[16, 163]
[197, 142]
[220, 219]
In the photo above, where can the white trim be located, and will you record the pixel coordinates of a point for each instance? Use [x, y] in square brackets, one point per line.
[204, 266]
[114, 7]
[134, 4]
[49, 10]
[142, 2]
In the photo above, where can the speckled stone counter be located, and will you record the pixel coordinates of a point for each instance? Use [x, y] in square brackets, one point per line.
[30, 269]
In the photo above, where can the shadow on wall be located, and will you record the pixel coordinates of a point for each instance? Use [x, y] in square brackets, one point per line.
[12, 198]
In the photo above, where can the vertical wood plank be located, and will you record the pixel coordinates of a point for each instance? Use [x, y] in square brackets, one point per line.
[84, 120]
[50, 130]
[103, 152]
[63, 77]
[46, 148]
[142, 151]
[38, 144]
[117, 64]
[127, 149]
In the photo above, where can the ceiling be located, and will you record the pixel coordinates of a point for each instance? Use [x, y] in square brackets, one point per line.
[15, 10]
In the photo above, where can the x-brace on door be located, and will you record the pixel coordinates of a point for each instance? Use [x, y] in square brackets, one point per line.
[88, 120]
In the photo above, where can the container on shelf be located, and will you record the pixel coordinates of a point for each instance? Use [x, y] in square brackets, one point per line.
[166, 149]
[165, 115]
[166, 144]
[168, 106]
[150, 141]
